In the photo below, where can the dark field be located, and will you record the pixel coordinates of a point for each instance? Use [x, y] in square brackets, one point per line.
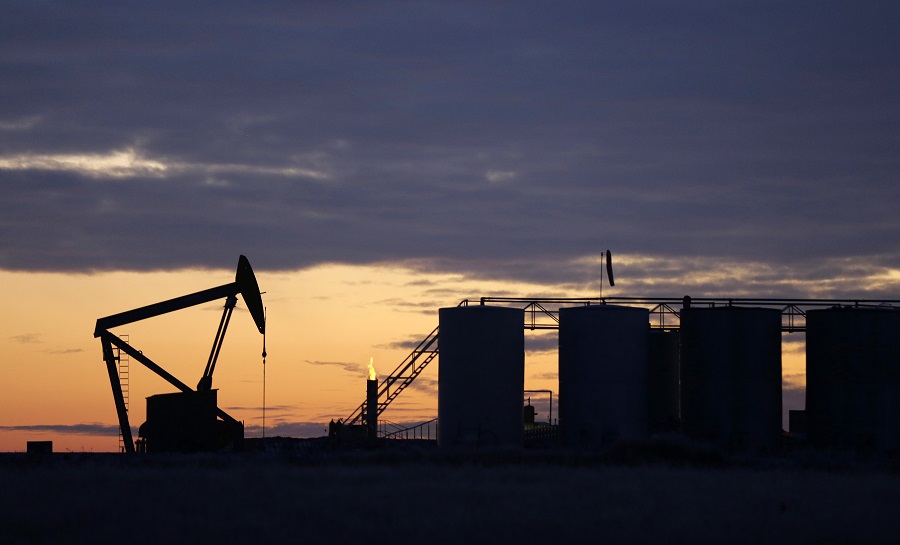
[429, 496]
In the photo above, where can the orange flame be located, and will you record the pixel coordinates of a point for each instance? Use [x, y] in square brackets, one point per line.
[372, 375]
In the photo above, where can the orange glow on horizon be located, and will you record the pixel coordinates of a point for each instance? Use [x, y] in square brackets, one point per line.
[322, 323]
[54, 385]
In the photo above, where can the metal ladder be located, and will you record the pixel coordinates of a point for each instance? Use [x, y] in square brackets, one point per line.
[401, 377]
[123, 359]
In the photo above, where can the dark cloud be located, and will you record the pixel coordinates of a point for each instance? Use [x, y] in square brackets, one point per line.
[793, 399]
[409, 343]
[541, 342]
[287, 429]
[425, 385]
[274, 410]
[350, 367]
[419, 307]
[66, 429]
[27, 338]
[505, 141]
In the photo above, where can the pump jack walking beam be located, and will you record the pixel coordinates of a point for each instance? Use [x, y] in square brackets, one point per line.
[157, 309]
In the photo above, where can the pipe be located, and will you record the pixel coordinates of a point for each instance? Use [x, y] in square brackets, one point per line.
[372, 409]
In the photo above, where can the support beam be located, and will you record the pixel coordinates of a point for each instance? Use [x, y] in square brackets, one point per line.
[153, 366]
[145, 361]
[205, 383]
[113, 370]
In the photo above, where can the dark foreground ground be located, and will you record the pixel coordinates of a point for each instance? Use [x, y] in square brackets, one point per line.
[423, 495]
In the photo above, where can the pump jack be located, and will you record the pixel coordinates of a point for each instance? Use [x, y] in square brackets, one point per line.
[200, 404]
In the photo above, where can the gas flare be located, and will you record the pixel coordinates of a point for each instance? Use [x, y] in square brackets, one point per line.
[372, 375]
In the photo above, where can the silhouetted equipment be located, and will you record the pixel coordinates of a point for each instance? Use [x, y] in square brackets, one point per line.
[372, 409]
[187, 420]
[714, 364]
[602, 374]
[797, 424]
[853, 377]
[731, 375]
[481, 377]
[39, 447]
[528, 413]
[607, 257]
[609, 270]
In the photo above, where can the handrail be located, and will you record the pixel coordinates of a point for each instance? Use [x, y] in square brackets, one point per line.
[403, 433]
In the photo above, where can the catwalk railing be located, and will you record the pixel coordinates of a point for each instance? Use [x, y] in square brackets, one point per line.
[425, 431]
[665, 312]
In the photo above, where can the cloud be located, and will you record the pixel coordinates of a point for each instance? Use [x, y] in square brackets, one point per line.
[418, 306]
[350, 367]
[27, 338]
[118, 164]
[794, 381]
[270, 409]
[499, 176]
[512, 142]
[425, 385]
[19, 124]
[66, 429]
[793, 399]
[65, 351]
[541, 343]
[287, 429]
[409, 343]
[128, 163]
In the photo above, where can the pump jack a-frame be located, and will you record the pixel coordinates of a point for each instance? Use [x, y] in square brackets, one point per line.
[244, 283]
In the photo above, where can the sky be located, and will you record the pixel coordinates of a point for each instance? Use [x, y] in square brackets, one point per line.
[378, 160]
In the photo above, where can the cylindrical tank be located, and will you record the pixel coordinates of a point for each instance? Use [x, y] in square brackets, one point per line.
[853, 377]
[602, 374]
[663, 381]
[731, 375]
[481, 376]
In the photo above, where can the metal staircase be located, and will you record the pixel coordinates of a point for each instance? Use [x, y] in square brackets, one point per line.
[401, 377]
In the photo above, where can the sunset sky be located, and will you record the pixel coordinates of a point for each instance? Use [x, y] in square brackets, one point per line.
[376, 161]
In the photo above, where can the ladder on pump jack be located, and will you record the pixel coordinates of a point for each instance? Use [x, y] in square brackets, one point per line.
[123, 359]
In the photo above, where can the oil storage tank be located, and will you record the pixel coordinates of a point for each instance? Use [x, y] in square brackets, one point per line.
[602, 374]
[481, 376]
[731, 375]
[853, 377]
